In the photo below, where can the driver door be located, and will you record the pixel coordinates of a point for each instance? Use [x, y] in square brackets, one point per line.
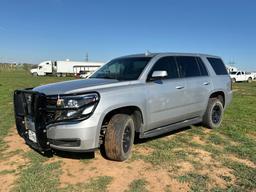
[165, 97]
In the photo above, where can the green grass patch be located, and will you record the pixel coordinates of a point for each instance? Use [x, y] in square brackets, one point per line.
[245, 176]
[39, 177]
[138, 185]
[198, 182]
[5, 172]
[94, 185]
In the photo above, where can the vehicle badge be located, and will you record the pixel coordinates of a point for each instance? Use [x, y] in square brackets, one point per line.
[60, 102]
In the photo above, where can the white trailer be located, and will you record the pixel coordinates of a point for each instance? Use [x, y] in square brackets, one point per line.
[63, 68]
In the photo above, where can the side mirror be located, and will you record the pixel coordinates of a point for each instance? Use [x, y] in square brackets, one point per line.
[157, 75]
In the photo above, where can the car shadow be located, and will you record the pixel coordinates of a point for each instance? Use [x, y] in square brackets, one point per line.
[91, 155]
[74, 155]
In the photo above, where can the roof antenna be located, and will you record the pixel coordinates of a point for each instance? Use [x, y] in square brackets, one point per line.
[147, 53]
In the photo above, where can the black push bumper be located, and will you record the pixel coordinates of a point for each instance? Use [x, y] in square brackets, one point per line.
[30, 116]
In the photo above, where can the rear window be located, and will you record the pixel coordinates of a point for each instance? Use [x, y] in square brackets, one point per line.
[218, 66]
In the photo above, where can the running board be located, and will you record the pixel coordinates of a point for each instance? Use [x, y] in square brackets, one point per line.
[171, 127]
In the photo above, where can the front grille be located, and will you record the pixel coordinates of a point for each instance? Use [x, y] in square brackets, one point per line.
[51, 109]
[30, 106]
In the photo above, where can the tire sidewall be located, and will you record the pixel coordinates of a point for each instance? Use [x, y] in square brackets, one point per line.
[219, 104]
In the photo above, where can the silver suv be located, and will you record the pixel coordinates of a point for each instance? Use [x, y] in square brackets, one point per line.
[147, 94]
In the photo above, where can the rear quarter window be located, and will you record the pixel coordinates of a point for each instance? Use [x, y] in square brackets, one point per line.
[218, 66]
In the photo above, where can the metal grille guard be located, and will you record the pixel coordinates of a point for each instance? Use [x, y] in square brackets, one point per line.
[31, 106]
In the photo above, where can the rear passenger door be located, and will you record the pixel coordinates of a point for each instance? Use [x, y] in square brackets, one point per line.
[166, 97]
[193, 70]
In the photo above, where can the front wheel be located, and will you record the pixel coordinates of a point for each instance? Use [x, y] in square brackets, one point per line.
[119, 137]
[214, 113]
[233, 80]
[249, 80]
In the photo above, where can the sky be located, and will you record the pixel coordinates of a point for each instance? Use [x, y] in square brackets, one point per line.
[36, 30]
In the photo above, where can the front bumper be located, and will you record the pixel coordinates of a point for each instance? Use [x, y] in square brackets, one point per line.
[31, 115]
[84, 131]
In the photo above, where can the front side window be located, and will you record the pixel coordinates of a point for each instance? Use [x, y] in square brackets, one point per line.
[218, 66]
[123, 69]
[188, 66]
[167, 64]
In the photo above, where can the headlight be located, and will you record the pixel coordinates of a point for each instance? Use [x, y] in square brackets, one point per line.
[75, 107]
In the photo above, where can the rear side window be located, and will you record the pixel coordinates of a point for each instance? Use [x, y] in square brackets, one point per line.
[202, 67]
[188, 66]
[166, 64]
[218, 66]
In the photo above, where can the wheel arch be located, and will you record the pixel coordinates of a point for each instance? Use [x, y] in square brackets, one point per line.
[220, 95]
[132, 110]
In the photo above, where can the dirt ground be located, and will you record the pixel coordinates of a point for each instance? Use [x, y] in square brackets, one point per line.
[76, 171]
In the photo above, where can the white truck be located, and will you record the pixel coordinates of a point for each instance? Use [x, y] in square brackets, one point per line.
[63, 68]
[239, 76]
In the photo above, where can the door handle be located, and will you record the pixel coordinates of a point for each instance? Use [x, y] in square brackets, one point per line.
[179, 87]
[206, 83]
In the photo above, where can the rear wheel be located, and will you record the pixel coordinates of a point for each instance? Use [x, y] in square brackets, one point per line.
[249, 80]
[214, 113]
[233, 80]
[119, 137]
[35, 74]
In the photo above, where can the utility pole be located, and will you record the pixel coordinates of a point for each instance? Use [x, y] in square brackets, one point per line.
[87, 57]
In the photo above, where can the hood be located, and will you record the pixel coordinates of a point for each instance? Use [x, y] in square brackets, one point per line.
[72, 86]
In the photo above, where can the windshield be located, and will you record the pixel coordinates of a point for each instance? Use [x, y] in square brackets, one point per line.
[123, 69]
[233, 73]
